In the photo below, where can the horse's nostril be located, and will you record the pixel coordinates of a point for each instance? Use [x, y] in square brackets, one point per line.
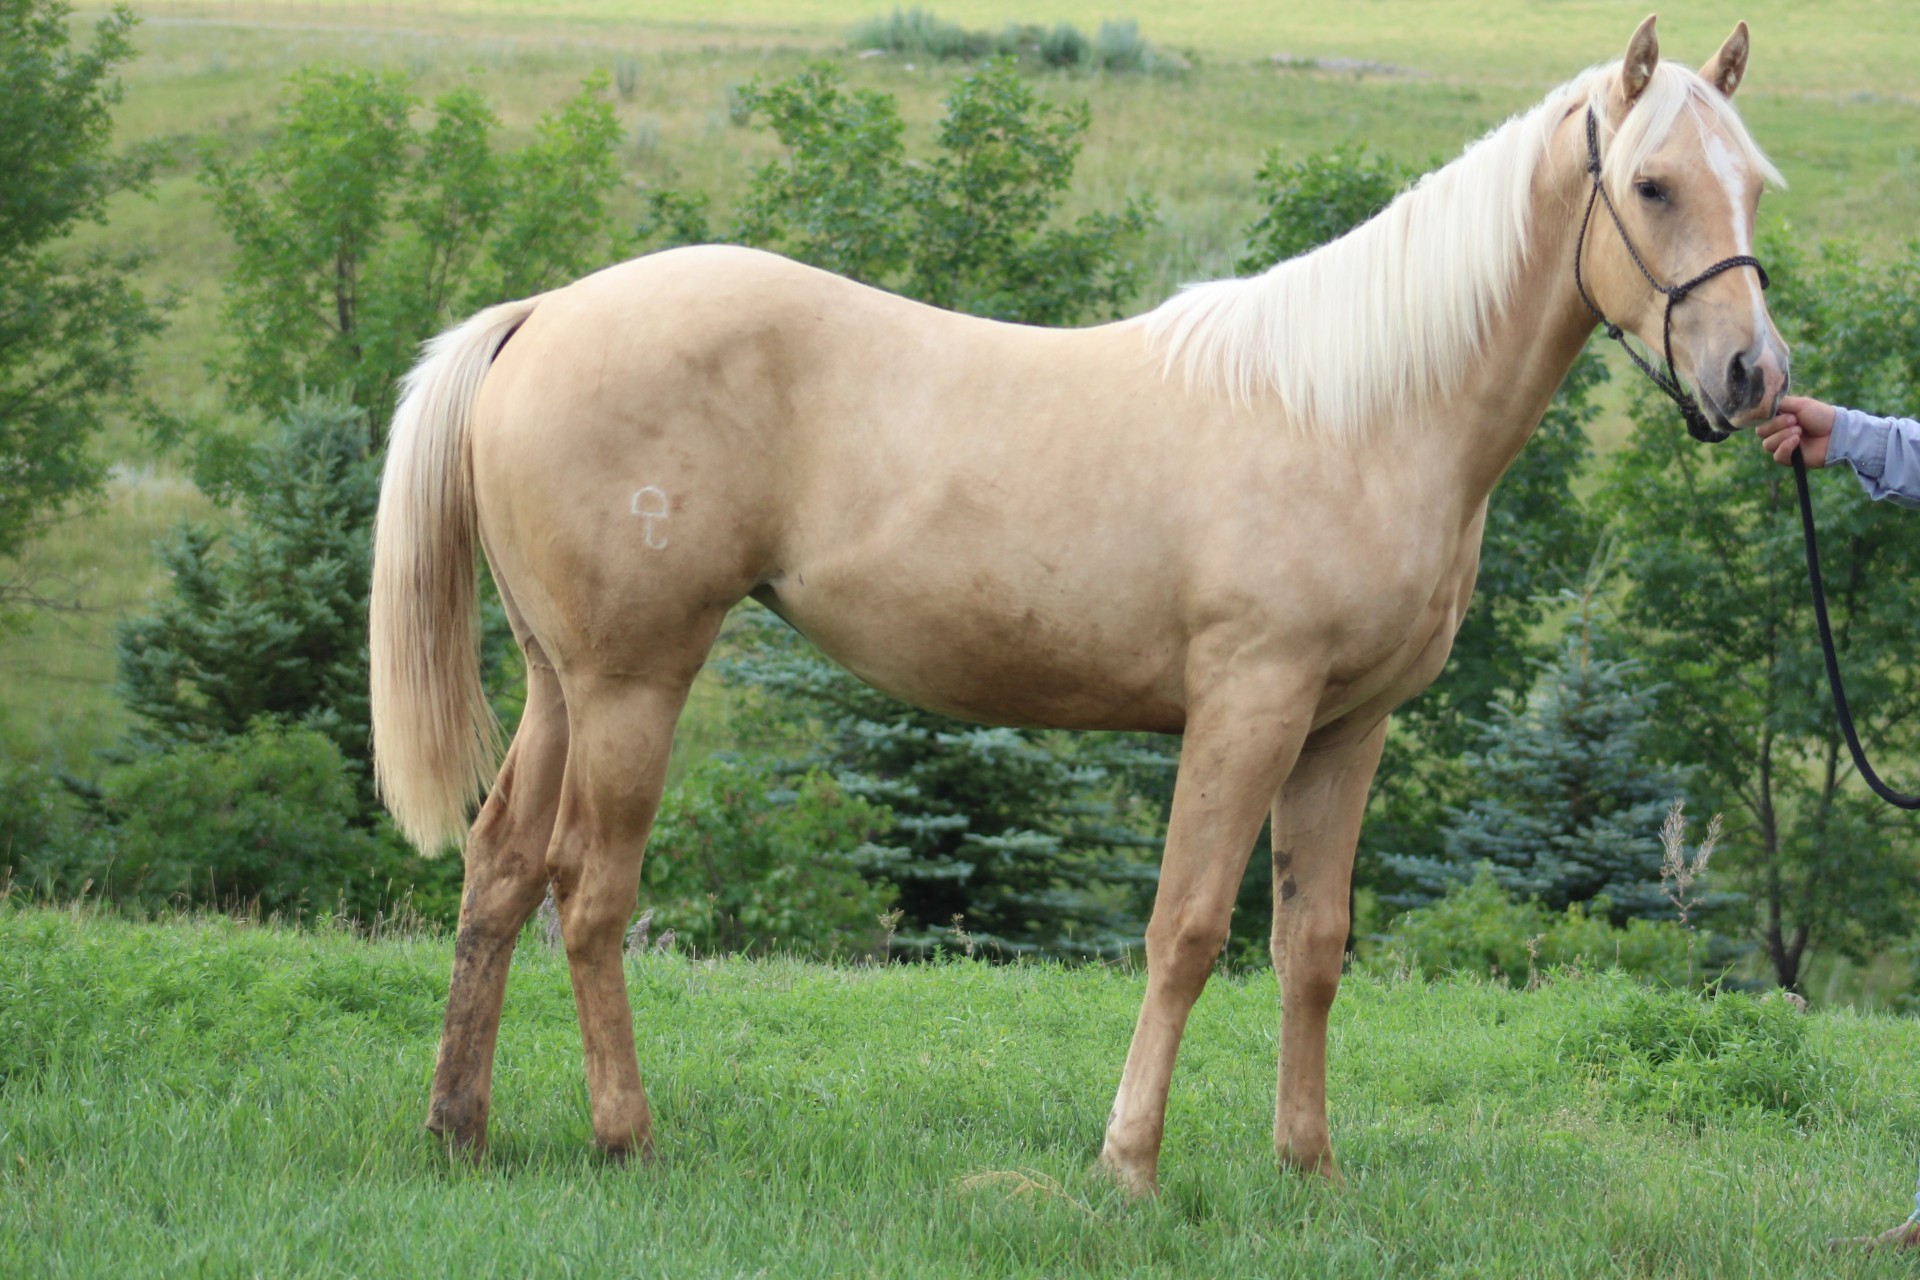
[1738, 392]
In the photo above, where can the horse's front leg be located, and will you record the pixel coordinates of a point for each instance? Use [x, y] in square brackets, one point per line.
[1316, 825]
[1239, 744]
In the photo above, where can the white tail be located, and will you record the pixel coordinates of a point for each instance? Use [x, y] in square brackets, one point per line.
[436, 743]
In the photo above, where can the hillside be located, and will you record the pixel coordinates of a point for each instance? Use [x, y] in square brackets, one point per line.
[214, 1098]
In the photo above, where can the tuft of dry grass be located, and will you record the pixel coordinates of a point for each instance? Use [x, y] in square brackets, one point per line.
[1024, 1184]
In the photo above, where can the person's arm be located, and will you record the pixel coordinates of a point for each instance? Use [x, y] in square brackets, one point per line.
[1883, 452]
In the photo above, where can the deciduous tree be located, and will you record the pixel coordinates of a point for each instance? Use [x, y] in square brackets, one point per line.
[1719, 603]
[71, 321]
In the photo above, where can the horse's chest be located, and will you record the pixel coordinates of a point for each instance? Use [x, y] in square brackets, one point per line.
[1397, 626]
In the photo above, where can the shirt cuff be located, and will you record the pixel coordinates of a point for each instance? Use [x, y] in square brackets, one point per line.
[1860, 441]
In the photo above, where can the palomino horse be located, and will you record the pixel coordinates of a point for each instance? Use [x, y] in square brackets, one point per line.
[1251, 516]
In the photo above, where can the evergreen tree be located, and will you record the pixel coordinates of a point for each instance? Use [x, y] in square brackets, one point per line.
[267, 621]
[1007, 840]
[1570, 798]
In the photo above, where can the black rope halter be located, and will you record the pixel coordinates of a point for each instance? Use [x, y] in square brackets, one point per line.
[1669, 382]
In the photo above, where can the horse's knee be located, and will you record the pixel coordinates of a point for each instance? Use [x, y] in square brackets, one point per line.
[1187, 944]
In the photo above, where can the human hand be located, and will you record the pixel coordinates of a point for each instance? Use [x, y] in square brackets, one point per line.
[1802, 423]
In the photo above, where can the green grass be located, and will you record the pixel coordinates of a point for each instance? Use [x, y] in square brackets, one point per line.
[210, 1098]
[1831, 95]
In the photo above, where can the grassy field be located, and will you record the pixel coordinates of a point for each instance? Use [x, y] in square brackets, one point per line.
[215, 1099]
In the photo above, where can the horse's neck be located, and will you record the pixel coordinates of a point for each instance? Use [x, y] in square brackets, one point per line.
[1530, 346]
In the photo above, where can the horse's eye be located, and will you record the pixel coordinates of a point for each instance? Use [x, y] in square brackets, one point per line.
[1650, 190]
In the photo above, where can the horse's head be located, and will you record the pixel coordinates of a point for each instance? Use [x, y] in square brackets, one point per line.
[1669, 236]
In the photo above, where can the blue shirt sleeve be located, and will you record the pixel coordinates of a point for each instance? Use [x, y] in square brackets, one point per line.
[1883, 452]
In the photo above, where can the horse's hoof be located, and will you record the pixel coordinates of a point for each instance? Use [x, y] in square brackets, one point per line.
[636, 1150]
[1139, 1183]
[1318, 1162]
[461, 1146]
[457, 1133]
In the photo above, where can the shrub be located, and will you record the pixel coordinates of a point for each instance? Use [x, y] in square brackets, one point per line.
[45, 848]
[919, 33]
[1478, 928]
[972, 228]
[738, 862]
[266, 819]
[1307, 203]
[1693, 1060]
[1064, 46]
[1117, 47]
[357, 233]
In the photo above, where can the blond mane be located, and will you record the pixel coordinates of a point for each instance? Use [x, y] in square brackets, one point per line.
[1395, 311]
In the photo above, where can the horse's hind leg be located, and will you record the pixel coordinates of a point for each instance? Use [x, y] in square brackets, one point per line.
[505, 879]
[622, 730]
[1316, 824]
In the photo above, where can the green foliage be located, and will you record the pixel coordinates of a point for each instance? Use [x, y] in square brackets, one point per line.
[1310, 202]
[357, 235]
[1696, 1061]
[1478, 927]
[1567, 802]
[268, 620]
[46, 848]
[1718, 603]
[836, 200]
[1015, 834]
[71, 323]
[1063, 46]
[738, 862]
[555, 222]
[1118, 46]
[268, 818]
[971, 229]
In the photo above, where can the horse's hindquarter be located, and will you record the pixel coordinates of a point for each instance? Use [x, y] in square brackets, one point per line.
[1009, 524]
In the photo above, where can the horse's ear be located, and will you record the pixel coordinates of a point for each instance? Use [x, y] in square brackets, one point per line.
[1727, 67]
[1643, 55]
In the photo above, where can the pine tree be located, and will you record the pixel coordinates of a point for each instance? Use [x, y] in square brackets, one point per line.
[267, 621]
[1570, 798]
[1004, 841]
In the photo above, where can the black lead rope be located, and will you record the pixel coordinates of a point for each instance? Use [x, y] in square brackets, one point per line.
[1700, 429]
[1895, 798]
